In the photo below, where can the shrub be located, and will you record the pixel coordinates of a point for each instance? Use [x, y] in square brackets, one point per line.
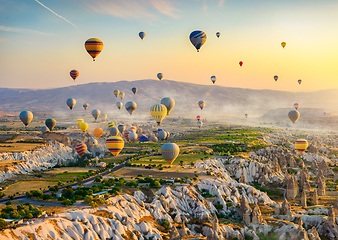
[3, 223]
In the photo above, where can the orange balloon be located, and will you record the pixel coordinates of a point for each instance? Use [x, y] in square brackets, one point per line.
[98, 132]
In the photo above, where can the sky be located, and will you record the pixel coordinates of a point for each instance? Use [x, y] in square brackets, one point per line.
[42, 40]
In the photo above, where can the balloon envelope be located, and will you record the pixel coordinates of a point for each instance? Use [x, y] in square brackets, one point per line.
[246, 115]
[94, 47]
[114, 131]
[199, 124]
[98, 132]
[143, 138]
[162, 135]
[26, 117]
[81, 149]
[158, 112]
[71, 103]
[104, 117]
[198, 38]
[111, 125]
[116, 93]
[213, 79]
[84, 126]
[134, 90]
[125, 134]
[74, 74]
[44, 129]
[299, 81]
[131, 107]
[85, 106]
[79, 121]
[201, 104]
[170, 152]
[160, 76]
[119, 105]
[153, 138]
[301, 145]
[132, 136]
[294, 115]
[121, 95]
[296, 105]
[50, 123]
[115, 145]
[283, 44]
[275, 77]
[241, 63]
[218, 34]
[96, 113]
[169, 103]
[198, 117]
[121, 128]
[142, 35]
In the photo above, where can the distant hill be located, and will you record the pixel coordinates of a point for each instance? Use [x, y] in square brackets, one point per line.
[220, 101]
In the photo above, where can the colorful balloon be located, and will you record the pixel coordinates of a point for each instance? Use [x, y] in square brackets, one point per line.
[162, 135]
[213, 79]
[143, 138]
[71, 103]
[201, 104]
[81, 149]
[104, 117]
[96, 113]
[119, 105]
[115, 145]
[111, 125]
[246, 115]
[94, 47]
[199, 124]
[158, 112]
[153, 138]
[132, 136]
[85, 106]
[26, 117]
[142, 35]
[241, 63]
[170, 152]
[160, 76]
[294, 115]
[126, 134]
[299, 81]
[116, 93]
[198, 38]
[84, 126]
[79, 121]
[301, 145]
[98, 132]
[121, 95]
[296, 105]
[218, 34]
[74, 74]
[198, 117]
[121, 128]
[283, 44]
[131, 107]
[134, 90]
[275, 77]
[169, 103]
[50, 123]
[114, 131]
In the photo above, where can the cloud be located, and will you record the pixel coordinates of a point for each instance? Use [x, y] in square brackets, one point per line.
[134, 9]
[56, 14]
[205, 9]
[22, 30]
[221, 3]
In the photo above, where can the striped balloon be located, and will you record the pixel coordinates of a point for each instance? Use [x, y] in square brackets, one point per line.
[125, 134]
[94, 47]
[170, 152]
[111, 124]
[201, 104]
[158, 112]
[115, 145]
[81, 149]
[301, 145]
[198, 38]
[74, 74]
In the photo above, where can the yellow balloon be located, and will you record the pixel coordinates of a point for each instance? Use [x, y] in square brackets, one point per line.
[84, 126]
[98, 132]
[79, 121]
[158, 112]
[301, 145]
[283, 44]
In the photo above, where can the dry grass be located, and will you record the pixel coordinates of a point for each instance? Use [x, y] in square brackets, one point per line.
[70, 170]
[27, 186]
[18, 147]
[164, 174]
[103, 213]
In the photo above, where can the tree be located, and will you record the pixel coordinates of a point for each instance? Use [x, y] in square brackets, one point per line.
[97, 179]
[2, 194]
[66, 202]
[46, 197]
[155, 184]
[8, 203]
[15, 215]
[29, 216]
[3, 223]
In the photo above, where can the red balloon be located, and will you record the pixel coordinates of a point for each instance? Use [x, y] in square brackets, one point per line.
[198, 117]
[240, 63]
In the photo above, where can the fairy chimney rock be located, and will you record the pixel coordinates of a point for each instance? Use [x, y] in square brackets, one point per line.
[292, 188]
[303, 199]
[321, 189]
[245, 210]
[315, 197]
[242, 180]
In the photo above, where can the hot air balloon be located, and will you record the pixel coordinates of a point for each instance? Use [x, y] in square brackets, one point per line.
[26, 117]
[198, 117]
[74, 74]
[168, 135]
[275, 77]
[81, 149]
[111, 125]
[115, 145]
[134, 90]
[324, 113]
[104, 117]
[94, 47]
[169, 103]
[199, 124]
[96, 113]
[160, 76]
[114, 131]
[131, 130]
[240, 63]
[143, 138]
[218, 34]
[142, 35]
[301, 145]
[170, 152]
[283, 44]
[299, 81]
[201, 104]
[119, 105]
[121, 128]
[71, 103]
[50, 123]
[131, 107]
[153, 138]
[79, 121]
[198, 38]
[162, 135]
[44, 129]
[98, 132]
[121, 95]
[132, 136]
[94, 141]
[294, 115]
[133, 127]
[213, 79]
[85, 106]
[125, 134]
[296, 105]
[116, 93]
[158, 112]
[84, 126]
[246, 115]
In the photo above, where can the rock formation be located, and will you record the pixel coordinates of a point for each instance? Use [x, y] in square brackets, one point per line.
[174, 234]
[242, 180]
[321, 189]
[256, 215]
[312, 149]
[290, 160]
[245, 210]
[286, 210]
[303, 199]
[291, 188]
[315, 197]
[313, 234]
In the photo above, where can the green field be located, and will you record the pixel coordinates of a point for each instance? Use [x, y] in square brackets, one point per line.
[22, 186]
[186, 158]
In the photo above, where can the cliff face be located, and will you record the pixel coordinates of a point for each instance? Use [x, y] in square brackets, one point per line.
[42, 158]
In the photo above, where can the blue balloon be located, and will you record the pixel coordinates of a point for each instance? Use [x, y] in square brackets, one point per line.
[198, 38]
[143, 139]
[142, 35]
